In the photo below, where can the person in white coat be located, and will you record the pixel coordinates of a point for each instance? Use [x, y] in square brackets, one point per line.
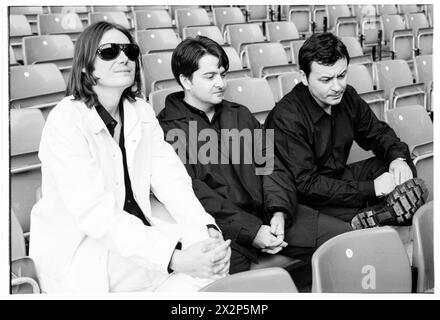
[102, 151]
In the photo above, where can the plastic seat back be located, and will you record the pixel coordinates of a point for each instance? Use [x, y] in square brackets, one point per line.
[212, 32]
[59, 23]
[354, 47]
[294, 50]
[191, 17]
[334, 12]
[157, 98]
[287, 81]
[117, 17]
[359, 78]
[262, 56]
[18, 245]
[423, 247]
[383, 9]
[392, 22]
[254, 93]
[257, 13]
[261, 280]
[407, 8]
[241, 34]
[301, 16]
[39, 86]
[412, 125]
[280, 31]
[319, 13]
[12, 60]
[416, 21]
[157, 40]
[235, 66]
[425, 170]
[227, 15]
[358, 154]
[151, 19]
[19, 28]
[157, 71]
[26, 129]
[423, 67]
[363, 261]
[393, 73]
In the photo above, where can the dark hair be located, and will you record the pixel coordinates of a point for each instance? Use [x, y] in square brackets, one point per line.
[81, 83]
[186, 56]
[324, 48]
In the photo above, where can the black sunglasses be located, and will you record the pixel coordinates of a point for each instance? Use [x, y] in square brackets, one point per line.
[110, 51]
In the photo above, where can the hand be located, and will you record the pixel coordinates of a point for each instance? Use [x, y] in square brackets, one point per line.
[205, 259]
[265, 239]
[400, 170]
[277, 224]
[384, 184]
[214, 233]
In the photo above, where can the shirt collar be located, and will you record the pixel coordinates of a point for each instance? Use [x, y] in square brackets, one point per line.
[108, 120]
[315, 110]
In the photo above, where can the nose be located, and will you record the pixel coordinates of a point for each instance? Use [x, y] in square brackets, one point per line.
[337, 85]
[122, 58]
[219, 81]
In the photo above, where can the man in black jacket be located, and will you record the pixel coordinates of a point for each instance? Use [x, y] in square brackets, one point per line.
[315, 125]
[222, 146]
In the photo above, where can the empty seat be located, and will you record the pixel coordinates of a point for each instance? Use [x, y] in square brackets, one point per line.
[151, 19]
[31, 13]
[390, 23]
[58, 23]
[407, 8]
[257, 13]
[281, 31]
[12, 60]
[287, 81]
[172, 9]
[425, 170]
[355, 51]
[319, 17]
[212, 32]
[235, 66]
[191, 17]
[157, 71]
[268, 60]
[423, 71]
[413, 126]
[424, 40]
[417, 21]
[254, 93]
[341, 20]
[358, 154]
[50, 48]
[19, 27]
[383, 9]
[301, 16]
[261, 280]
[157, 40]
[26, 128]
[371, 26]
[240, 35]
[157, 98]
[37, 86]
[81, 11]
[395, 78]
[117, 17]
[423, 252]
[363, 261]
[334, 12]
[227, 15]
[126, 10]
[294, 50]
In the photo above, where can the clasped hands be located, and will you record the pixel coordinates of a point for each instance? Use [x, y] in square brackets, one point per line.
[399, 172]
[270, 239]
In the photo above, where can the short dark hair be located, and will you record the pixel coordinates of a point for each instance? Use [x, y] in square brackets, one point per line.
[81, 83]
[186, 56]
[324, 48]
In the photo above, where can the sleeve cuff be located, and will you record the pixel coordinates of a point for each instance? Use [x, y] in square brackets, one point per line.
[214, 227]
[178, 247]
[245, 236]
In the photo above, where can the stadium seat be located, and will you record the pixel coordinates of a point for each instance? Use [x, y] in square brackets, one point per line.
[413, 126]
[397, 38]
[362, 261]
[212, 32]
[287, 81]
[152, 19]
[235, 65]
[254, 93]
[12, 60]
[117, 17]
[24, 278]
[407, 8]
[341, 21]
[319, 17]
[358, 154]
[157, 40]
[81, 11]
[425, 170]
[240, 35]
[395, 78]
[383, 9]
[172, 9]
[359, 77]
[416, 21]
[149, 7]
[30, 12]
[157, 71]
[56, 49]
[301, 16]
[191, 17]
[261, 280]
[424, 41]
[227, 15]
[356, 52]
[371, 27]
[157, 98]
[423, 252]
[36, 86]
[268, 60]
[58, 23]
[26, 128]
[423, 71]
[19, 28]
[284, 32]
[126, 10]
[294, 50]
[258, 13]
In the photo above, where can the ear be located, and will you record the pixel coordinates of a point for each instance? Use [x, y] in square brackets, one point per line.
[185, 81]
[303, 78]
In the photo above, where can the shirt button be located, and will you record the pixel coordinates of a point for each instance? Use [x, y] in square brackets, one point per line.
[129, 201]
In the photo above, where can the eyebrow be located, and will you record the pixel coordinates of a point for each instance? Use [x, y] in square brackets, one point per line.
[330, 77]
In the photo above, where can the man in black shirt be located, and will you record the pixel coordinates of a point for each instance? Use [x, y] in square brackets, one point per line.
[315, 126]
[256, 209]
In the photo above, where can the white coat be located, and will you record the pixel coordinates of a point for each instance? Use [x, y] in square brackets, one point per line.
[79, 218]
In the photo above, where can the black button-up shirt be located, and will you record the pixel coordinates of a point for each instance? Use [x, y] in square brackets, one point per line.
[130, 204]
[315, 145]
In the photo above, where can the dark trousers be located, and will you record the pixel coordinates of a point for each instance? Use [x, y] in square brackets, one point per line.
[327, 227]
